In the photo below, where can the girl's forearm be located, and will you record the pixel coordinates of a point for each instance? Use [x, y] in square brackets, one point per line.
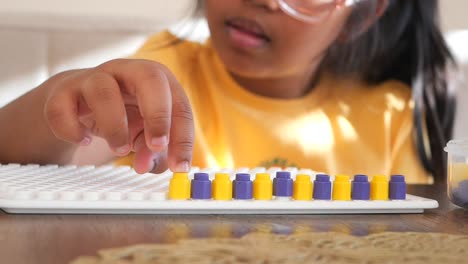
[25, 136]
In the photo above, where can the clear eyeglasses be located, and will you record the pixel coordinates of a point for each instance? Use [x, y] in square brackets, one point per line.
[313, 11]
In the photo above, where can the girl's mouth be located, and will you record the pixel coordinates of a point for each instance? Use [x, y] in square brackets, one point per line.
[246, 33]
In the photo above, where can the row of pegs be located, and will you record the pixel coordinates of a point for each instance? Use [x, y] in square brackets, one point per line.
[283, 186]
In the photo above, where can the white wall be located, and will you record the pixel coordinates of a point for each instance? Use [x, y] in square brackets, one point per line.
[41, 38]
[455, 23]
[104, 15]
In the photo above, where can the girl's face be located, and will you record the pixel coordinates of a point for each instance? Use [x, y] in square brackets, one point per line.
[255, 39]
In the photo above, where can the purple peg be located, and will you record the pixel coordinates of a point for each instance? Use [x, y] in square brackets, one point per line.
[397, 187]
[201, 186]
[322, 187]
[242, 187]
[360, 188]
[460, 194]
[283, 184]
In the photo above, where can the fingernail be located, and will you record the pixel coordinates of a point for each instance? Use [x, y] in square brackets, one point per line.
[123, 150]
[182, 167]
[159, 142]
[85, 141]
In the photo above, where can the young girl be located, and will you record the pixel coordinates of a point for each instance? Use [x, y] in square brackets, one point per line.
[339, 86]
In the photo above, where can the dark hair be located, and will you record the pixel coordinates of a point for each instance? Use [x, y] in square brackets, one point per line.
[405, 44]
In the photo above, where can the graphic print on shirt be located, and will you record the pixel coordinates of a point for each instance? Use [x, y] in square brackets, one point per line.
[277, 162]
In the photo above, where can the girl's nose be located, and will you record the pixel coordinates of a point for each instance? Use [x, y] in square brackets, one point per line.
[271, 5]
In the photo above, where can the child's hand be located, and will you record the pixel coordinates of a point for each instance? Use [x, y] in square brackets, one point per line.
[135, 105]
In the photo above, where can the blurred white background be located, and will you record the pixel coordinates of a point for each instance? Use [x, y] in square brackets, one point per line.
[41, 38]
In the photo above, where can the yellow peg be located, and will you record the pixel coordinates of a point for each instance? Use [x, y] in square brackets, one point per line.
[302, 189]
[179, 186]
[222, 187]
[262, 187]
[342, 188]
[379, 187]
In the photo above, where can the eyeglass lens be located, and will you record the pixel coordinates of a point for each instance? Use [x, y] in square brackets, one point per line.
[308, 10]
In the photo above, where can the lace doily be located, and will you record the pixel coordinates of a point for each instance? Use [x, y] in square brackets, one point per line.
[264, 248]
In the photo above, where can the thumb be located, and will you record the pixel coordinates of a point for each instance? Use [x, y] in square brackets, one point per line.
[146, 160]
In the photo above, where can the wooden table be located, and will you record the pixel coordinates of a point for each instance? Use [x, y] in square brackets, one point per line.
[60, 238]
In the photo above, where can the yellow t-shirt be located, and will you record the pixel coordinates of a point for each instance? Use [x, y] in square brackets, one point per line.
[341, 126]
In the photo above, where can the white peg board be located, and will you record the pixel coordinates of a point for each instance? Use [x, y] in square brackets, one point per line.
[56, 189]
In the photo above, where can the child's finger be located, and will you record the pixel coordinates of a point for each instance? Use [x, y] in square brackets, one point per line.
[154, 100]
[148, 83]
[135, 123]
[61, 115]
[101, 92]
[182, 129]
